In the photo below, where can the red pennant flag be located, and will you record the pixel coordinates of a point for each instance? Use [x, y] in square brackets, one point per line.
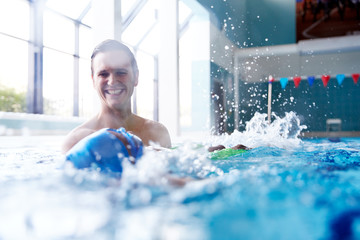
[355, 77]
[297, 81]
[325, 79]
[271, 79]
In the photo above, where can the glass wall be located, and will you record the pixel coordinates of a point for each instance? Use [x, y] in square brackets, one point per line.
[14, 18]
[14, 55]
[67, 85]
[86, 90]
[186, 38]
[142, 35]
[194, 66]
[58, 83]
[145, 91]
[58, 67]
[63, 37]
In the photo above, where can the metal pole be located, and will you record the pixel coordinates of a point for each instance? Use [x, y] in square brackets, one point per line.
[271, 80]
[236, 92]
[156, 89]
[76, 92]
[35, 86]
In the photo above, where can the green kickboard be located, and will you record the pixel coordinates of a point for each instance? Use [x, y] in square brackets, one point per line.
[226, 153]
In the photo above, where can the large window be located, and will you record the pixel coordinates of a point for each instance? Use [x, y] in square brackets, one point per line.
[58, 73]
[59, 32]
[145, 90]
[185, 64]
[14, 55]
[86, 90]
[194, 66]
[141, 33]
[66, 54]
[13, 62]
[45, 48]
[14, 18]
[58, 83]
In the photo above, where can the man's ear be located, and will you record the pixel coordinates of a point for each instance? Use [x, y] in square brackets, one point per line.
[136, 78]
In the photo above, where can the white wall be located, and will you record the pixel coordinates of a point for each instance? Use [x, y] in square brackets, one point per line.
[337, 55]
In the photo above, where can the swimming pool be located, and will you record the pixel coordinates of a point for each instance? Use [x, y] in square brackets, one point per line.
[284, 188]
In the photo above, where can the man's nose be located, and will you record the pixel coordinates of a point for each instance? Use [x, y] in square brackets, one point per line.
[111, 79]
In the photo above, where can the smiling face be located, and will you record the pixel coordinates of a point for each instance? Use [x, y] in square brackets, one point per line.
[114, 79]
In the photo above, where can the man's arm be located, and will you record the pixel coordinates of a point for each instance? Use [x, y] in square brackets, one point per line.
[74, 137]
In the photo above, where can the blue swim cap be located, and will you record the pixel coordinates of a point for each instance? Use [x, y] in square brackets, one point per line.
[106, 149]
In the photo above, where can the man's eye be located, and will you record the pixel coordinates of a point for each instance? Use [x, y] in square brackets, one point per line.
[121, 73]
[103, 74]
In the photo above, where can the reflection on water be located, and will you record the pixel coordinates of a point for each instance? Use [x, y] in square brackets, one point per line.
[284, 188]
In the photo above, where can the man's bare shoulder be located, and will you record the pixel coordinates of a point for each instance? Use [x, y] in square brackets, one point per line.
[157, 133]
[75, 136]
[154, 127]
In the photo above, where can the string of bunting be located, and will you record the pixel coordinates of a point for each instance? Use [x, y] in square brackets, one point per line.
[324, 78]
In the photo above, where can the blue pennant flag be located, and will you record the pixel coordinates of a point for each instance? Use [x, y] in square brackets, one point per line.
[311, 80]
[340, 78]
[283, 82]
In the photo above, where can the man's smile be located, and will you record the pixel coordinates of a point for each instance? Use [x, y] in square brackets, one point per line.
[114, 91]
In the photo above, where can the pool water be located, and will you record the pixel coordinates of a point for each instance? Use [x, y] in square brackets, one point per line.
[284, 188]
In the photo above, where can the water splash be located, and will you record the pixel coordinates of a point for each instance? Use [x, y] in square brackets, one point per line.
[282, 132]
[188, 160]
[191, 159]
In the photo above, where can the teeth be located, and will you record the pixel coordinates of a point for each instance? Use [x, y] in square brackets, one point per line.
[114, 91]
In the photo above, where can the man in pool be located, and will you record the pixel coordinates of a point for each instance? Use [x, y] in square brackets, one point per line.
[114, 75]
